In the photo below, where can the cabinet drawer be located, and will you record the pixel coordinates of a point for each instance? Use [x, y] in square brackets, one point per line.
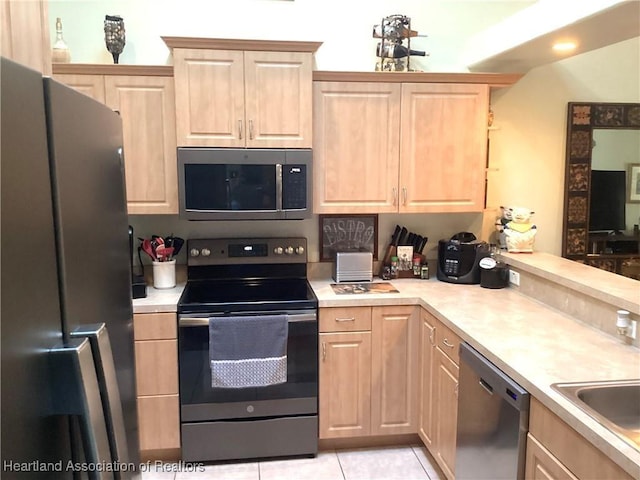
[159, 422]
[155, 326]
[345, 319]
[157, 367]
[448, 342]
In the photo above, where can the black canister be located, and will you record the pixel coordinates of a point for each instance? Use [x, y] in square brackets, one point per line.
[493, 274]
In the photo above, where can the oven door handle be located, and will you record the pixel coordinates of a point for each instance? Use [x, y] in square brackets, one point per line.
[204, 321]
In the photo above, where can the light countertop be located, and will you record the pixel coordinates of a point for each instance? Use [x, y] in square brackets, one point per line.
[531, 342]
[159, 300]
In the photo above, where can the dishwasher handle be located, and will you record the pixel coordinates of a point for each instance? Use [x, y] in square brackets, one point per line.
[494, 380]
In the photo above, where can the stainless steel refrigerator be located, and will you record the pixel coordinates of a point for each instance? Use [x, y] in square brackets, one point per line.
[65, 269]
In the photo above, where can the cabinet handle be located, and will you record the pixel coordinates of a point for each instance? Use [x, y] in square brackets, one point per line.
[324, 351]
[447, 344]
[395, 196]
[250, 129]
[431, 335]
[240, 129]
[404, 195]
[352, 319]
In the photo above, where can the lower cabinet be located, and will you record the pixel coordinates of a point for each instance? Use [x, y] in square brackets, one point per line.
[368, 371]
[439, 364]
[156, 353]
[556, 451]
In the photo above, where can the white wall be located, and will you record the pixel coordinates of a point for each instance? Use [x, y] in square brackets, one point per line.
[344, 27]
[529, 147]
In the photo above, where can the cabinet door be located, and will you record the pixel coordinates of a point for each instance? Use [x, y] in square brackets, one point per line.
[345, 384]
[278, 99]
[209, 87]
[443, 147]
[25, 34]
[356, 147]
[542, 465]
[146, 104]
[426, 428]
[394, 375]
[446, 412]
[91, 85]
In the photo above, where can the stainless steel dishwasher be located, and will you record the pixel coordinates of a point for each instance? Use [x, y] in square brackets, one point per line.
[493, 420]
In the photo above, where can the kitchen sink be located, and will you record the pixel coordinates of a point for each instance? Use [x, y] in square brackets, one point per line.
[614, 404]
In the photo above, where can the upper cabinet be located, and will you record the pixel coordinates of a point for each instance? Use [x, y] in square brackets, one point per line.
[144, 97]
[238, 93]
[443, 147]
[356, 148]
[24, 36]
[405, 142]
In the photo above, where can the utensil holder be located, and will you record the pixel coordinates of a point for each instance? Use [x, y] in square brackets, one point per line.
[164, 274]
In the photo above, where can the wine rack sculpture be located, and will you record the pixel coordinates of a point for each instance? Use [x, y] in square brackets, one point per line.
[392, 32]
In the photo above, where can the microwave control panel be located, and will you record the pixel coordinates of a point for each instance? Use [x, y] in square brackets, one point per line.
[294, 187]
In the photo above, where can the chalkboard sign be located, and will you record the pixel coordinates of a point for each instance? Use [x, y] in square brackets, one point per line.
[348, 233]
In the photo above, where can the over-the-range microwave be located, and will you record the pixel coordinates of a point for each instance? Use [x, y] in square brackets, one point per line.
[244, 184]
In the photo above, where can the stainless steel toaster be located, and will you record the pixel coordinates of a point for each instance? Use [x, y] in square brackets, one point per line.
[353, 267]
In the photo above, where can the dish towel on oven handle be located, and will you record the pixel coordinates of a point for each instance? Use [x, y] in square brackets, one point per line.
[248, 351]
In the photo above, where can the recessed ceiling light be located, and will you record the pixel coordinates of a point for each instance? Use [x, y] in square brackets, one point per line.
[564, 46]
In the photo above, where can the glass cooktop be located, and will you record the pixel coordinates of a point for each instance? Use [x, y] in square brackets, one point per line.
[246, 294]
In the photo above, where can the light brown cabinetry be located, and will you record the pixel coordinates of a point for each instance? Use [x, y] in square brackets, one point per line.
[439, 391]
[156, 354]
[356, 147]
[556, 451]
[420, 146]
[426, 428]
[24, 36]
[368, 371]
[243, 95]
[394, 360]
[443, 147]
[144, 96]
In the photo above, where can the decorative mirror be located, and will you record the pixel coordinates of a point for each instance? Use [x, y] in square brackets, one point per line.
[597, 234]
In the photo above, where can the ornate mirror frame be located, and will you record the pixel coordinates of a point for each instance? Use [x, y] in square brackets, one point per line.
[582, 119]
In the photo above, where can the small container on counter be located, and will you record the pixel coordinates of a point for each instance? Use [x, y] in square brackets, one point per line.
[424, 272]
[416, 265]
[394, 267]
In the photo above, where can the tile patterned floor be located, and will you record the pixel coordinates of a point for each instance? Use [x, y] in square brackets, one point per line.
[385, 463]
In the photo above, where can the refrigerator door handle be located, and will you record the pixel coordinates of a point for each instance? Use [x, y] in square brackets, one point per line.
[98, 337]
[76, 392]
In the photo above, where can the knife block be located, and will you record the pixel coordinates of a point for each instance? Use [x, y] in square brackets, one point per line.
[391, 251]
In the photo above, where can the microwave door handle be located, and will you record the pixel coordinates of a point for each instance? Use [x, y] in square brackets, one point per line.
[278, 187]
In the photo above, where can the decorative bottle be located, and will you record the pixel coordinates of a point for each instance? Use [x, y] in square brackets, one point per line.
[60, 52]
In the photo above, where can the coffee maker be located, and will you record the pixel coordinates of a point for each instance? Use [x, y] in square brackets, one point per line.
[459, 258]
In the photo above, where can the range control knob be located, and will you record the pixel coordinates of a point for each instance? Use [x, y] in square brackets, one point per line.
[278, 250]
[206, 252]
[194, 252]
[288, 250]
[300, 250]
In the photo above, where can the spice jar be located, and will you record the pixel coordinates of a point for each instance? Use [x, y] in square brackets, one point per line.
[424, 272]
[394, 267]
[416, 265]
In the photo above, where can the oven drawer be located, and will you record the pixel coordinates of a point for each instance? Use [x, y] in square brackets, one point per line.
[228, 440]
[345, 319]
